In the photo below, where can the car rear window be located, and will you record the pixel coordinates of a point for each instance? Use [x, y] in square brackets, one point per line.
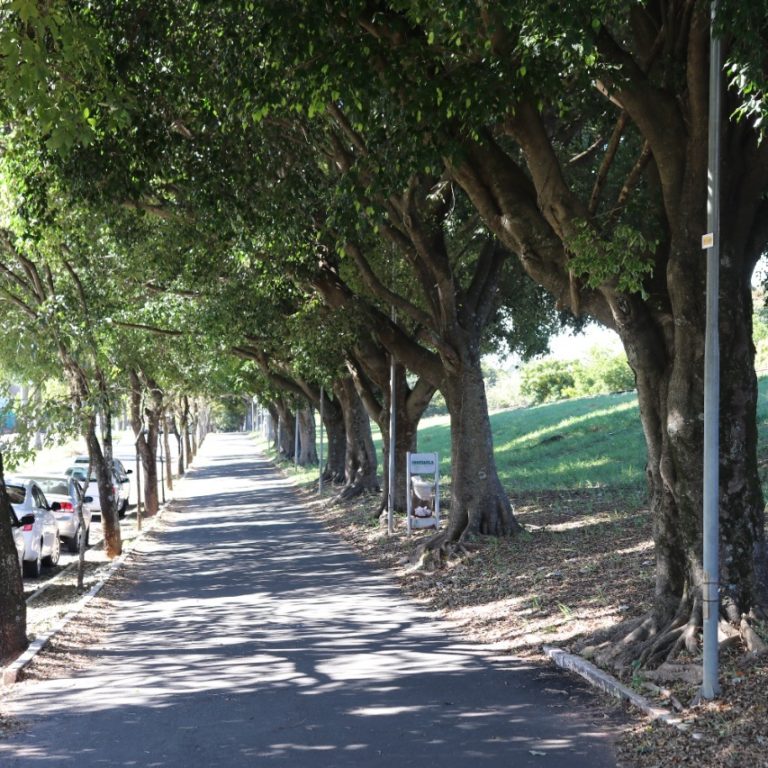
[15, 494]
[54, 486]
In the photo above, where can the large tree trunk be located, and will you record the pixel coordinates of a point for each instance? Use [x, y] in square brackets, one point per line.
[146, 439]
[184, 424]
[360, 462]
[286, 429]
[101, 466]
[179, 445]
[167, 447]
[307, 438]
[335, 441]
[13, 609]
[479, 503]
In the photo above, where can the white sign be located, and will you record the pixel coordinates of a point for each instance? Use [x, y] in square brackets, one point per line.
[422, 463]
[423, 483]
[708, 240]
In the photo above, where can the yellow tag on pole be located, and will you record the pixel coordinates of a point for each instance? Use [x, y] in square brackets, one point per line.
[708, 240]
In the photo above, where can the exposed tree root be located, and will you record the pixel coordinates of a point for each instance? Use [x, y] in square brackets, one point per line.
[354, 491]
[435, 552]
[755, 644]
[658, 651]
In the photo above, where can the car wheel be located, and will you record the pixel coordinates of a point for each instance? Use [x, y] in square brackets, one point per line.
[87, 536]
[74, 542]
[53, 558]
[33, 567]
[123, 508]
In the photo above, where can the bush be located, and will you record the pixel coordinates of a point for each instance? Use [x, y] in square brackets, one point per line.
[604, 373]
[601, 373]
[547, 380]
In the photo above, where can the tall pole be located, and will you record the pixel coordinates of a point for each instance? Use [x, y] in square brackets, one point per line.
[710, 686]
[296, 441]
[162, 469]
[322, 413]
[392, 442]
[138, 483]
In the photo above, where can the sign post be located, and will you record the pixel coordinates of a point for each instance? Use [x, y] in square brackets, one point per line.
[423, 496]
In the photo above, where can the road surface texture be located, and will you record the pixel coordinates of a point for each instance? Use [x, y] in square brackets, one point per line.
[250, 636]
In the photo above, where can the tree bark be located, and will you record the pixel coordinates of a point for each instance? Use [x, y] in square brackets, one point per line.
[479, 504]
[307, 438]
[360, 463]
[146, 438]
[336, 441]
[184, 422]
[13, 608]
[371, 372]
[286, 429]
[107, 493]
[167, 447]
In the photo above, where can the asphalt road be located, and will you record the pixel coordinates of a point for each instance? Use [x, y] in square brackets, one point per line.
[252, 637]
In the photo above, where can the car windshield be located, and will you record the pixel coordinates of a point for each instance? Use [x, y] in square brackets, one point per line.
[78, 473]
[51, 485]
[16, 494]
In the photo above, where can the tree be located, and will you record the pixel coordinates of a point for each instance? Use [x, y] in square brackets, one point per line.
[13, 614]
[581, 140]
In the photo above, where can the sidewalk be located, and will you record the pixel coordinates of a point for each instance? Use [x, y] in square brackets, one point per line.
[248, 635]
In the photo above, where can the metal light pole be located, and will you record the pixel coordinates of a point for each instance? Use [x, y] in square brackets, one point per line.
[710, 686]
[296, 441]
[392, 442]
[322, 413]
[138, 481]
[162, 469]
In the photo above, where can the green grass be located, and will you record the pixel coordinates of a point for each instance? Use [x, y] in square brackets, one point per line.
[584, 443]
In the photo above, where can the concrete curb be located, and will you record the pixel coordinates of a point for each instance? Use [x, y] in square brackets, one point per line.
[610, 685]
[10, 673]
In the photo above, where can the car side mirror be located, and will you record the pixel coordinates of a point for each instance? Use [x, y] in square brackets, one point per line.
[87, 499]
[128, 471]
[55, 507]
[27, 520]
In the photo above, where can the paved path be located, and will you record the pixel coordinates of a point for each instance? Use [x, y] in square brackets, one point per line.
[252, 637]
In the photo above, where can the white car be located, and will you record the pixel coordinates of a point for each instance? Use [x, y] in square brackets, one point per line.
[121, 485]
[68, 492]
[42, 546]
[80, 473]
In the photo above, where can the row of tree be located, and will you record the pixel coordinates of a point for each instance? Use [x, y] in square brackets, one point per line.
[322, 187]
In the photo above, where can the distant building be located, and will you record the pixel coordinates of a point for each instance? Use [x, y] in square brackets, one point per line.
[7, 416]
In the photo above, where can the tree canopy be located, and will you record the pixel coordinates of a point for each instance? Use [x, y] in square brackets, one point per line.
[474, 167]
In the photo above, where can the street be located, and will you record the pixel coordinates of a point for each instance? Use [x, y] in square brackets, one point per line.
[249, 635]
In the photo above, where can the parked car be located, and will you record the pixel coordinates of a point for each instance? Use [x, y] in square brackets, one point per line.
[42, 546]
[68, 492]
[80, 473]
[18, 537]
[122, 482]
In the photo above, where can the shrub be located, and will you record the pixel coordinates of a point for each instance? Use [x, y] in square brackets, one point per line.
[546, 380]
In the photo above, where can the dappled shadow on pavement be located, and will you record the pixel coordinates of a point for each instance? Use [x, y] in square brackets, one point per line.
[252, 636]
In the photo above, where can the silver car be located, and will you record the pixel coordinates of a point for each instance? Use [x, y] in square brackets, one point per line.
[121, 482]
[68, 493]
[42, 546]
[79, 472]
